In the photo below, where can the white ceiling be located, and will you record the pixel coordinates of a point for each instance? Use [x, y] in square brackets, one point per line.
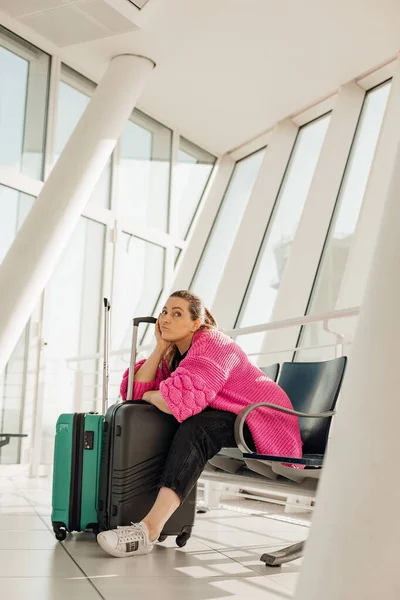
[227, 70]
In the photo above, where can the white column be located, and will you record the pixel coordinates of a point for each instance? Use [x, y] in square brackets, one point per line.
[353, 548]
[48, 227]
[305, 253]
[249, 238]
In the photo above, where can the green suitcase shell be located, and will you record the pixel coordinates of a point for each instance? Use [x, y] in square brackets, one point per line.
[77, 458]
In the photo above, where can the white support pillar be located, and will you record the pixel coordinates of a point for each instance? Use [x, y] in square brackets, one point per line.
[248, 240]
[48, 227]
[353, 548]
[308, 244]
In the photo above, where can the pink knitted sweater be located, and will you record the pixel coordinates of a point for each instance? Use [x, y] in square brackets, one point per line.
[217, 373]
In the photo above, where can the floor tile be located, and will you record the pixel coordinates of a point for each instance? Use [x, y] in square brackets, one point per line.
[219, 540]
[37, 563]
[46, 589]
[18, 510]
[167, 588]
[43, 510]
[36, 497]
[27, 540]
[12, 499]
[6, 484]
[256, 588]
[250, 558]
[286, 580]
[23, 482]
[21, 522]
[162, 562]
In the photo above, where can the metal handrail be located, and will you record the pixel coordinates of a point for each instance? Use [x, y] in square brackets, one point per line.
[323, 318]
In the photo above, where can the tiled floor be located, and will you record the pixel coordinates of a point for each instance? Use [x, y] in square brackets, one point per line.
[220, 561]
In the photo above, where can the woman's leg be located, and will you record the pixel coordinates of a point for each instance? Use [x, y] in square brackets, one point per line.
[197, 439]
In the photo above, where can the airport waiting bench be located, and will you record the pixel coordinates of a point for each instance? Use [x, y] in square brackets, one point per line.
[5, 438]
[313, 388]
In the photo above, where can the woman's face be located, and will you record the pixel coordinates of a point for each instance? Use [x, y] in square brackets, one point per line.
[175, 321]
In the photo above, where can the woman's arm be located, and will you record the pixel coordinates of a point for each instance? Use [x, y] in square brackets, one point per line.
[157, 400]
[148, 370]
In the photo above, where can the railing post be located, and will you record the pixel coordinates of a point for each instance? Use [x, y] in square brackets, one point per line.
[78, 390]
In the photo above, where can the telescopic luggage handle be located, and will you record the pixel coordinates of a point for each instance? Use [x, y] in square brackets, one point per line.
[106, 353]
[136, 323]
[138, 320]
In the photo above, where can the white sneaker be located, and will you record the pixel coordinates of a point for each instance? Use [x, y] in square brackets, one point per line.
[126, 541]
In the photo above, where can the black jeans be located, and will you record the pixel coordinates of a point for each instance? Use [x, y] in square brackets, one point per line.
[198, 439]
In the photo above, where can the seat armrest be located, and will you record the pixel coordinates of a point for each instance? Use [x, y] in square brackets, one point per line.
[309, 460]
[7, 437]
[244, 413]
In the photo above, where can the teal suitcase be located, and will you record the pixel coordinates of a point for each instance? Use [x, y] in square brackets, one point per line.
[77, 461]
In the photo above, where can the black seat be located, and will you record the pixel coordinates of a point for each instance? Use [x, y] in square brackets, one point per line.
[313, 387]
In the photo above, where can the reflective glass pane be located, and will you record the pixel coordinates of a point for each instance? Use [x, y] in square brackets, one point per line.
[14, 206]
[73, 300]
[24, 76]
[72, 103]
[144, 171]
[141, 265]
[226, 226]
[344, 222]
[265, 280]
[191, 175]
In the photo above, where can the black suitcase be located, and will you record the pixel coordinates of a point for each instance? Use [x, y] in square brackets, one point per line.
[136, 440]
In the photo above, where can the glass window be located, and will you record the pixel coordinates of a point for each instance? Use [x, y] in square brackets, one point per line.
[144, 171]
[141, 265]
[14, 206]
[24, 77]
[177, 253]
[191, 175]
[226, 226]
[73, 318]
[72, 103]
[265, 280]
[344, 222]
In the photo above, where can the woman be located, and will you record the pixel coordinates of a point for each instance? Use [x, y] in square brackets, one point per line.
[204, 379]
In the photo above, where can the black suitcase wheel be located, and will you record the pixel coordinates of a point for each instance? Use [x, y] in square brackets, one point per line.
[162, 538]
[182, 538]
[60, 533]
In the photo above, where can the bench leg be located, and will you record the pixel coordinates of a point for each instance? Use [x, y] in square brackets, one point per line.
[212, 494]
[278, 558]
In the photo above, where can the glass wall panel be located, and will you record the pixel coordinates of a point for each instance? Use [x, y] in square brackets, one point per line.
[220, 241]
[14, 206]
[24, 83]
[144, 172]
[142, 265]
[344, 222]
[262, 290]
[72, 103]
[73, 311]
[191, 175]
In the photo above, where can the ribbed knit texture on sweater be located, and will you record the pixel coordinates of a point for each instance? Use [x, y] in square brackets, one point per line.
[218, 374]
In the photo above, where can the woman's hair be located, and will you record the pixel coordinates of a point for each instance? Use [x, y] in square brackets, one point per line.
[197, 311]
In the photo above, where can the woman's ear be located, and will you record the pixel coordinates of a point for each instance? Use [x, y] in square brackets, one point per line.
[196, 325]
